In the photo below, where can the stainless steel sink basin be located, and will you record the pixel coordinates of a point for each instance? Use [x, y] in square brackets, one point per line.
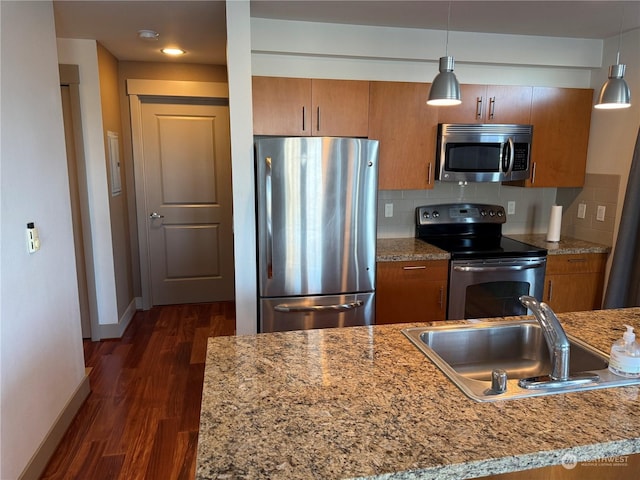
[468, 354]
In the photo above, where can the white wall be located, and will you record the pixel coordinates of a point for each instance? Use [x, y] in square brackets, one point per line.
[323, 50]
[239, 75]
[613, 132]
[84, 53]
[41, 351]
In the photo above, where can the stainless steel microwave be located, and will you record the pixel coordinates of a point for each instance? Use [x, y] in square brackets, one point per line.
[483, 152]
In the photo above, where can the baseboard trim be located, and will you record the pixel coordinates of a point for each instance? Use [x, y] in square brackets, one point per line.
[46, 449]
[116, 330]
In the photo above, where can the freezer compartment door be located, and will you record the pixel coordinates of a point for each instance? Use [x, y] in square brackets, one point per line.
[327, 311]
[316, 215]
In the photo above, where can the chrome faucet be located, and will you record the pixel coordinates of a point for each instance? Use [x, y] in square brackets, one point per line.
[554, 334]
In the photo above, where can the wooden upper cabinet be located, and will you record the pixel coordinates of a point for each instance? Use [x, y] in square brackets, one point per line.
[561, 118]
[490, 104]
[303, 107]
[281, 106]
[340, 108]
[406, 127]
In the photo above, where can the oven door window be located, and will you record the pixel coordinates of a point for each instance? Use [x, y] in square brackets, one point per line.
[495, 299]
[473, 157]
[492, 287]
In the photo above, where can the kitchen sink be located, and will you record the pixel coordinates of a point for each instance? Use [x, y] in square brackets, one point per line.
[471, 354]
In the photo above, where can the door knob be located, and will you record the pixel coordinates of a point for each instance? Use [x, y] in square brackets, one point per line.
[155, 215]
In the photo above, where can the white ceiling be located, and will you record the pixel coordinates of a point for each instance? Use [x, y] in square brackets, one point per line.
[199, 26]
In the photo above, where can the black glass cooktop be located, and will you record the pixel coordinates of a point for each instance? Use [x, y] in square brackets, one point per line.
[484, 247]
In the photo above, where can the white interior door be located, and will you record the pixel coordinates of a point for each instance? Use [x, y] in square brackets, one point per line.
[186, 159]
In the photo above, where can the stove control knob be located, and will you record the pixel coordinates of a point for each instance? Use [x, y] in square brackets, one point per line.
[483, 213]
[436, 214]
[425, 214]
[500, 213]
[492, 213]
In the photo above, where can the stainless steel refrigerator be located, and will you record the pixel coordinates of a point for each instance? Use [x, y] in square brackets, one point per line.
[316, 209]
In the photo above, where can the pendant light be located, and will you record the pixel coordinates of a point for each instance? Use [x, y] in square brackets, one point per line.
[615, 92]
[445, 89]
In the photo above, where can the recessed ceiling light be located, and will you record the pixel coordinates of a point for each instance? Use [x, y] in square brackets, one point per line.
[173, 51]
[148, 34]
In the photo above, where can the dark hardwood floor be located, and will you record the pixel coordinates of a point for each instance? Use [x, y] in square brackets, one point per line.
[141, 419]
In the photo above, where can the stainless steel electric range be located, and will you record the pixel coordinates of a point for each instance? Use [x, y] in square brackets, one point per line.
[487, 271]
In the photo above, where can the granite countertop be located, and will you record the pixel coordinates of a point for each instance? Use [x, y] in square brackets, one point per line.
[407, 250]
[413, 249]
[363, 402]
[566, 245]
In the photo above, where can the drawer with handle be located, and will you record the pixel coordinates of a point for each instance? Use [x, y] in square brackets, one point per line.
[576, 263]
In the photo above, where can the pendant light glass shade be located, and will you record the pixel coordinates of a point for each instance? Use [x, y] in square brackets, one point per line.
[615, 92]
[445, 89]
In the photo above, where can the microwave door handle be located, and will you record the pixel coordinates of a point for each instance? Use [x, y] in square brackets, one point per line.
[509, 157]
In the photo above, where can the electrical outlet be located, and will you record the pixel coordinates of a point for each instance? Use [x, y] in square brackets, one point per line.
[511, 207]
[388, 210]
[582, 210]
[600, 213]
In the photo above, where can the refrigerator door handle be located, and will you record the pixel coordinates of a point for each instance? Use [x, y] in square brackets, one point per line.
[269, 250]
[283, 307]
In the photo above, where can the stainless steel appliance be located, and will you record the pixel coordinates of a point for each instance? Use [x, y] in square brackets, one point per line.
[483, 152]
[316, 209]
[487, 271]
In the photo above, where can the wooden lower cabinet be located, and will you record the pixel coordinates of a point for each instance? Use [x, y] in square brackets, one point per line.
[411, 291]
[574, 283]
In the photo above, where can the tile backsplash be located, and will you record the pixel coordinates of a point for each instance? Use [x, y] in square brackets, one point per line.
[532, 206]
[599, 190]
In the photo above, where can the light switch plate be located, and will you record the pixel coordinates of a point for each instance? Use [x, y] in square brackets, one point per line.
[600, 213]
[582, 210]
[33, 238]
[511, 207]
[388, 210]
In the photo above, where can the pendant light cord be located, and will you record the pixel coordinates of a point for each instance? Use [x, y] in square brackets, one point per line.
[446, 47]
[620, 37]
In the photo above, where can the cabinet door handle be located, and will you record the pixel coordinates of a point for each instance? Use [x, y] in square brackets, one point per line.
[304, 115]
[492, 107]
[441, 298]
[318, 119]
[550, 290]
[429, 174]
[414, 267]
[577, 260]
[478, 107]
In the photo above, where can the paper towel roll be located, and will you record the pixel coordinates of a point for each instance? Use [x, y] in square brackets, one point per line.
[555, 224]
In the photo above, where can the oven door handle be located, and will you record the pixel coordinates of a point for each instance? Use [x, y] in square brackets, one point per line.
[501, 268]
